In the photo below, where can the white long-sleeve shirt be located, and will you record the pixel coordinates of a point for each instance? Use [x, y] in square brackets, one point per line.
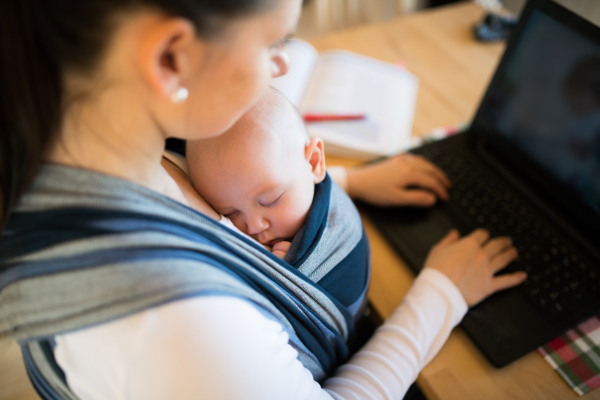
[220, 347]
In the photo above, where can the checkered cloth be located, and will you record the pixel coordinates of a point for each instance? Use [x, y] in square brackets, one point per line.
[576, 356]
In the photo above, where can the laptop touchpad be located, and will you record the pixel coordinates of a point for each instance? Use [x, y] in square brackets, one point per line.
[412, 231]
[421, 236]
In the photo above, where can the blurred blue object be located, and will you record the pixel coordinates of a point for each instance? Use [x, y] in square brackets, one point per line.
[494, 28]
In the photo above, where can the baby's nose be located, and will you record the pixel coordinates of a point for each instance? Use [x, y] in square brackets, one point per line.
[256, 225]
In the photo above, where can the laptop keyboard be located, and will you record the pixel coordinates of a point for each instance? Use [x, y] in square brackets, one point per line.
[560, 279]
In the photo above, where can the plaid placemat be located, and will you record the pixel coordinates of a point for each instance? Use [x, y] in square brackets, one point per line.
[576, 356]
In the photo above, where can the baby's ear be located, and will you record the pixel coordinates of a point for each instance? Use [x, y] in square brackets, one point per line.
[315, 156]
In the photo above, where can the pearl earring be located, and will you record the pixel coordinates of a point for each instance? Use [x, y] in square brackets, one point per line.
[179, 95]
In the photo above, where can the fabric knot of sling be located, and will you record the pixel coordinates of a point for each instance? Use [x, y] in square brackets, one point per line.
[83, 248]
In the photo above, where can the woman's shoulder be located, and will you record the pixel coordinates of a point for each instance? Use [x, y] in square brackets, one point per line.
[176, 159]
[183, 190]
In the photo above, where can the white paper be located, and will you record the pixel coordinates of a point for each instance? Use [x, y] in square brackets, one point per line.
[340, 82]
[347, 83]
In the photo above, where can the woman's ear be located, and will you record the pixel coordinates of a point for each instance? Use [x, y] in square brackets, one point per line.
[280, 62]
[315, 156]
[166, 53]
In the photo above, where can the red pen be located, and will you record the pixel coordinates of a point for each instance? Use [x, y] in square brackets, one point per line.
[332, 117]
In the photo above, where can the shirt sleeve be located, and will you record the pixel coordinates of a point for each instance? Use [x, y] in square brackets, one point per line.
[339, 176]
[219, 347]
[390, 362]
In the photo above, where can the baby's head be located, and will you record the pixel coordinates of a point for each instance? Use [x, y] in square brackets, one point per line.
[261, 173]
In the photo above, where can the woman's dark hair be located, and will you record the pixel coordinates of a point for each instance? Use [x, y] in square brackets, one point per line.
[39, 41]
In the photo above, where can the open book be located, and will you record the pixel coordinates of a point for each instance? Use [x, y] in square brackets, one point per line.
[340, 82]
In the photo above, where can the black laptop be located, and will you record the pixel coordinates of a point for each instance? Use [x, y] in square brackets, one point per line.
[528, 167]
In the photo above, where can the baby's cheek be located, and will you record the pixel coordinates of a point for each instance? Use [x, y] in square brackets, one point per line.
[239, 224]
[295, 217]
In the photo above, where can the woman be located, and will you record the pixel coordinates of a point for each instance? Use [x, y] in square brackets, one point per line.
[109, 272]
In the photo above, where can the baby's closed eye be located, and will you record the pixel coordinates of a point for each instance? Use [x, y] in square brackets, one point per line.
[273, 202]
[229, 214]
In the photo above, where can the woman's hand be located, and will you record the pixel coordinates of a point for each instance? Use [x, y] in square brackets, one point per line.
[403, 180]
[472, 261]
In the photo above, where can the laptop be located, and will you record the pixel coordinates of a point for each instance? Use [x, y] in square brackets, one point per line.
[528, 167]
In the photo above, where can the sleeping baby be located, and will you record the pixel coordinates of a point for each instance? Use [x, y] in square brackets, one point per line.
[268, 177]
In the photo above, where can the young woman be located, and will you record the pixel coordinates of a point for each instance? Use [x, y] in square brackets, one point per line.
[116, 277]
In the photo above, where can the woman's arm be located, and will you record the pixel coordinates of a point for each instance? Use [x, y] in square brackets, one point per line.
[390, 362]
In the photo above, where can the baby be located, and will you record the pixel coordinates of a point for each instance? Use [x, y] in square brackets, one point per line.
[269, 178]
[262, 172]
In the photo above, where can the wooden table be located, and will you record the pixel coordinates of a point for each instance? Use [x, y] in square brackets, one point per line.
[454, 71]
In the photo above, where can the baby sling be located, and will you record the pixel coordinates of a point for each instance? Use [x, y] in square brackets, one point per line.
[84, 248]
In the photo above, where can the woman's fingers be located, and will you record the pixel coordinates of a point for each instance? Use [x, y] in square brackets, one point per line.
[385, 183]
[416, 197]
[507, 281]
[502, 259]
[471, 263]
[432, 169]
[496, 246]
[451, 237]
[501, 252]
[427, 181]
[480, 236]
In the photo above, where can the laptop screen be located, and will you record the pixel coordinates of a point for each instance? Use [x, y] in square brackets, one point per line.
[546, 101]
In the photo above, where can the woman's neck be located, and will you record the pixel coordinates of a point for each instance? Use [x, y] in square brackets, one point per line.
[113, 135]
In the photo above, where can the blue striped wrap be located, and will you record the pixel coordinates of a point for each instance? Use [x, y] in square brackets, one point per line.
[83, 248]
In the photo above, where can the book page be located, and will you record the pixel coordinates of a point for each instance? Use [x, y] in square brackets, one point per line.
[302, 60]
[348, 83]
